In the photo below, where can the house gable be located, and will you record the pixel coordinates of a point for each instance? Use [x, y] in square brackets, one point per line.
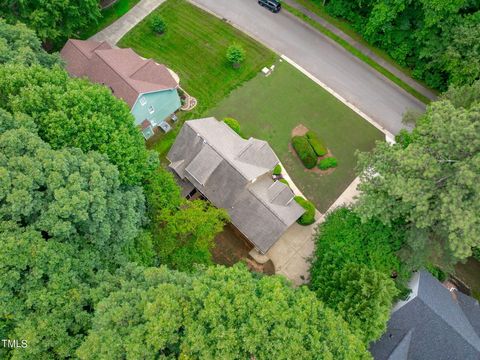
[156, 106]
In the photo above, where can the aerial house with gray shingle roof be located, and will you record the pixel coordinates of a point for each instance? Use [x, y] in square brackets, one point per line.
[235, 174]
[433, 323]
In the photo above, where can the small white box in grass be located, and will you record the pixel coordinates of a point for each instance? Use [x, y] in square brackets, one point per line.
[266, 71]
[272, 67]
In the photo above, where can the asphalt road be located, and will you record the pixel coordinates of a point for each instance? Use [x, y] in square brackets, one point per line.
[355, 81]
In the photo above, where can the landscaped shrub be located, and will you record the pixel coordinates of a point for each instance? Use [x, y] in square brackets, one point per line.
[234, 125]
[277, 170]
[308, 217]
[305, 151]
[284, 181]
[235, 55]
[316, 144]
[158, 25]
[328, 163]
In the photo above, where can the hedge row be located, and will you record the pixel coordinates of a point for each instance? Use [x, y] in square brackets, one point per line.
[308, 217]
[319, 148]
[305, 151]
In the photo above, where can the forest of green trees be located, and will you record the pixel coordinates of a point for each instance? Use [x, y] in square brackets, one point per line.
[102, 258]
[437, 39]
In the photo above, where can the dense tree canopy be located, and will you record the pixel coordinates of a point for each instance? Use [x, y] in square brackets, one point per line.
[65, 194]
[76, 113]
[63, 218]
[437, 39]
[362, 296]
[352, 268]
[430, 179]
[183, 231]
[343, 239]
[44, 286]
[20, 45]
[53, 20]
[215, 313]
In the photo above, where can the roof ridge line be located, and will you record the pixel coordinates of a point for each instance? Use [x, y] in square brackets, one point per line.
[266, 204]
[217, 151]
[449, 325]
[117, 72]
[72, 41]
[146, 62]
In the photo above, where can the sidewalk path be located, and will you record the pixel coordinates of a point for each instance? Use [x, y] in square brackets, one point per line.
[364, 50]
[291, 254]
[113, 33]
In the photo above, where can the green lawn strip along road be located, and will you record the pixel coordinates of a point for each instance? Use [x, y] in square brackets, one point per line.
[195, 46]
[270, 107]
[354, 51]
[109, 16]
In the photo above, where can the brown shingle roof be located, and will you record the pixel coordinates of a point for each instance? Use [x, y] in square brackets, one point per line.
[126, 73]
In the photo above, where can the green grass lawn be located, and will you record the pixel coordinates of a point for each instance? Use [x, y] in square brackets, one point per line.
[109, 15]
[195, 46]
[270, 107]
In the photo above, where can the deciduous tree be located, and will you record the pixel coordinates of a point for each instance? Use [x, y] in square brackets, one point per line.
[45, 287]
[352, 268]
[236, 55]
[216, 313]
[53, 20]
[430, 181]
[76, 113]
[65, 194]
[20, 45]
[438, 40]
[362, 296]
[184, 237]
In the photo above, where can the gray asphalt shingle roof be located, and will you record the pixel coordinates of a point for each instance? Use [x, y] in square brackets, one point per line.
[433, 324]
[235, 174]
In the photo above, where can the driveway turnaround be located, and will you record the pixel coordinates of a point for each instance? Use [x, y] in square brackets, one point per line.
[113, 33]
[348, 76]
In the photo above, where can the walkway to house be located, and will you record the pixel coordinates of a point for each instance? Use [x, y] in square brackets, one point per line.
[291, 253]
[113, 33]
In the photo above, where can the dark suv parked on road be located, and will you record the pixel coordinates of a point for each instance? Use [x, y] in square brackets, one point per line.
[272, 5]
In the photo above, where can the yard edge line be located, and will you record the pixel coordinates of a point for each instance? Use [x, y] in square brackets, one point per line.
[388, 135]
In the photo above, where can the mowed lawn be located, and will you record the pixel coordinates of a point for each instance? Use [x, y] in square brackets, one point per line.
[195, 46]
[270, 107]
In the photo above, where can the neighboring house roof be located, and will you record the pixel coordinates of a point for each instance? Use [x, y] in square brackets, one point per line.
[235, 174]
[125, 72]
[432, 324]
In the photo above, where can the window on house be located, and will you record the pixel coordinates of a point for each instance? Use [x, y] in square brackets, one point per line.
[143, 101]
[151, 110]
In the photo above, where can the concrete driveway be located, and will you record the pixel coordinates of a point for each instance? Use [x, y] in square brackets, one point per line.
[355, 81]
